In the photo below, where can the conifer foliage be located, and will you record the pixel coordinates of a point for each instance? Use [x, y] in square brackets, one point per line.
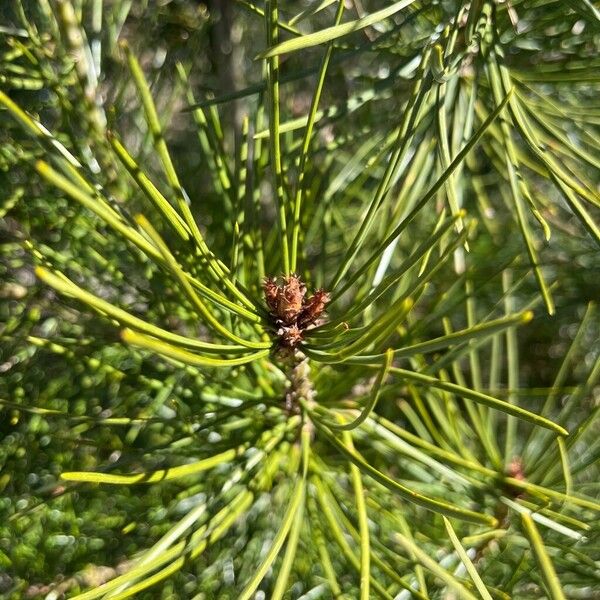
[297, 299]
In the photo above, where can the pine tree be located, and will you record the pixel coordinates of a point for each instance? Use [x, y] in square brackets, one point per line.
[298, 299]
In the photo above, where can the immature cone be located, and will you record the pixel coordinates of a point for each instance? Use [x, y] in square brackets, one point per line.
[290, 310]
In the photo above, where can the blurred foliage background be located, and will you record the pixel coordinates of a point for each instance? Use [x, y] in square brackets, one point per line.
[74, 397]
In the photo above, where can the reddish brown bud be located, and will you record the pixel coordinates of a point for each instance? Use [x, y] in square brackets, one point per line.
[271, 290]
[313, 308]
[290, 336]
[290, 299]
[515, 469]
[291, 311]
